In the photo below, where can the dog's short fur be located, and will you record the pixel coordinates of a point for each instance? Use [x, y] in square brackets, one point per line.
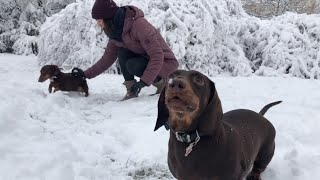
[234, 145]
[62, 81]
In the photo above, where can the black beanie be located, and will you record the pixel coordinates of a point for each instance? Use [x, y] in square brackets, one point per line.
[104, 9]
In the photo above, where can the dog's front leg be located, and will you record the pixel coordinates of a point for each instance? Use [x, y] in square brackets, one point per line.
[56, 89]
[50, 88]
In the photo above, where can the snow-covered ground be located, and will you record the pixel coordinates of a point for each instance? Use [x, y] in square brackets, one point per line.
[65, 136]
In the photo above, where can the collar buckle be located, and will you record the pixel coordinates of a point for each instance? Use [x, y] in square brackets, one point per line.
[183, 137]
[191, 145]
[187, 138]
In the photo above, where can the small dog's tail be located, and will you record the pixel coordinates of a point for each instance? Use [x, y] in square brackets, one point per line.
[266, 107]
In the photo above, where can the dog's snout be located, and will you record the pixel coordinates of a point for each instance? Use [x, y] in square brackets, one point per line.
[40, 79]
[177, 84]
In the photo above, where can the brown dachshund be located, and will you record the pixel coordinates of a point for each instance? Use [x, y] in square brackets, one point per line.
[62, 81]
[206, 144]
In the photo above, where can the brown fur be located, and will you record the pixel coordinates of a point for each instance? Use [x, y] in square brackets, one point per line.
[234, 145]
[62, 81]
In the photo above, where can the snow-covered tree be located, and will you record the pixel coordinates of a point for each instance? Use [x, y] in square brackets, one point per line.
[288, 44]
[55, 6]
[71, 37]
[270, 8]
[20, 23]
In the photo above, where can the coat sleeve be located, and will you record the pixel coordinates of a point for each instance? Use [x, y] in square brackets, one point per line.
[148, 36]
[108, 58]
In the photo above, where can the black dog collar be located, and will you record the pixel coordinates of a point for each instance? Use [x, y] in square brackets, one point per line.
[183, 136]
[192, 138]
[187, 137]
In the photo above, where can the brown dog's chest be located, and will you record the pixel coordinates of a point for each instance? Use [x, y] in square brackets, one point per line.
[208, 160]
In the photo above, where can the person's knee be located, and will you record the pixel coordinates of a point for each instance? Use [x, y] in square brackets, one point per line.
[131, 67]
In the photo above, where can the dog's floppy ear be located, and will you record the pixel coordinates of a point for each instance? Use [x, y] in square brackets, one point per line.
[213, 112]
[163, 112]
[56, 70]
[214, 104]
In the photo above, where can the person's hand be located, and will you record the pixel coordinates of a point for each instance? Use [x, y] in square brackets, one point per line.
[137, 86]
[77, 72]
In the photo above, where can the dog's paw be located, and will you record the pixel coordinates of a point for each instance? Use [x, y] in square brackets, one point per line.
[251, 177]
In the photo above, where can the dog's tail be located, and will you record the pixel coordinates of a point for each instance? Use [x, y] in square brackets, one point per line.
[266, 107]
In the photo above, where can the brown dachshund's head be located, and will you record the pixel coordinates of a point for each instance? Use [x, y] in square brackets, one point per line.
[189, 101]
[47, 72]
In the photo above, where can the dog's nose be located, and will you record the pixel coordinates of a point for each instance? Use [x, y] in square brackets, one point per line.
[40, 79]
[177, 84]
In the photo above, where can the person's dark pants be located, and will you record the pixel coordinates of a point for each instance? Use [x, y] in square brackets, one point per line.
[132, 64]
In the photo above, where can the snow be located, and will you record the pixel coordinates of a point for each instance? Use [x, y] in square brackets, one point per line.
[68, 136]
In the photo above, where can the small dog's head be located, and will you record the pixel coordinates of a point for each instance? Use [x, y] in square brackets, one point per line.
[47, 72]
[186, 100]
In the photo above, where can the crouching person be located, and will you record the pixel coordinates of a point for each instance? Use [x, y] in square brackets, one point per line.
[139, 47]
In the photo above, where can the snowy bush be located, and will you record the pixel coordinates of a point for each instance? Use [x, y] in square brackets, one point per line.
[30, 21]
[200, 34]
[54, 6]
[288, 44]
[26, 45]
[71, 37]
[210, 36]
[20, 21]
[7, 24]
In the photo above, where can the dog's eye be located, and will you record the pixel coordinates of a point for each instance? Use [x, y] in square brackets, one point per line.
[199, 80]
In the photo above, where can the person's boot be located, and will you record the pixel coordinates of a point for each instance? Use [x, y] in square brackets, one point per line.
[129, 85]
[159, 85]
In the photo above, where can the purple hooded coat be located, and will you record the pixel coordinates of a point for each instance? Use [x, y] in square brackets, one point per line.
[140, 37]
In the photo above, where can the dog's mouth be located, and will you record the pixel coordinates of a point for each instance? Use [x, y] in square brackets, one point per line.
[180, 104]
[44, 77]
